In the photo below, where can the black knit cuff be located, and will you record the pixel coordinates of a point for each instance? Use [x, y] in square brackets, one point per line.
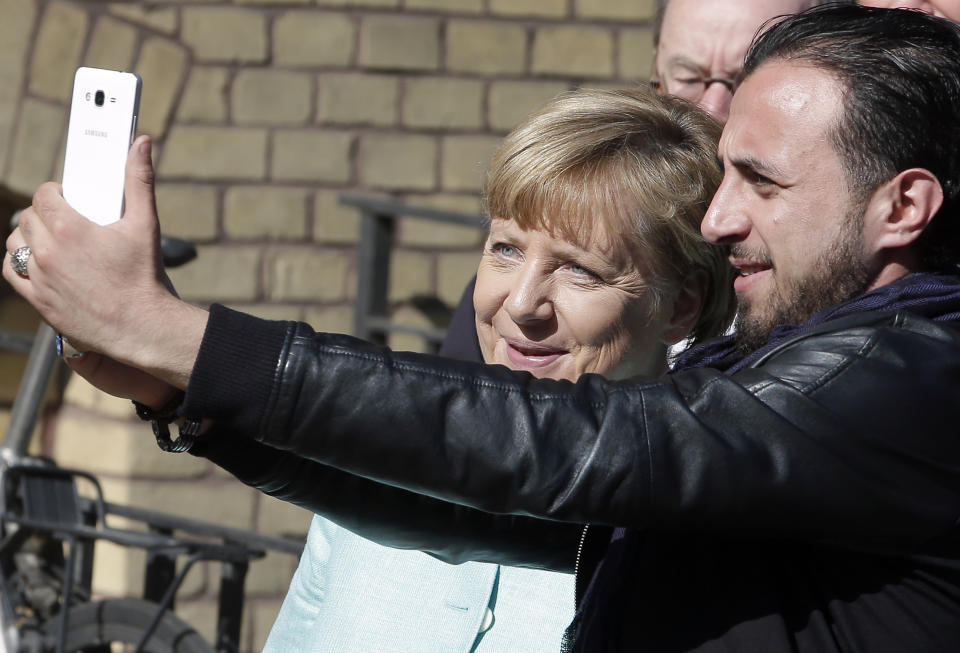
[235, 369]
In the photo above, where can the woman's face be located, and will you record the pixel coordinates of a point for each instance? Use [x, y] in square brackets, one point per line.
[943, 8]
[558, 309]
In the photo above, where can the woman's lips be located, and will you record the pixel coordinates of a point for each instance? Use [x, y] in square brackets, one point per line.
[529, 356]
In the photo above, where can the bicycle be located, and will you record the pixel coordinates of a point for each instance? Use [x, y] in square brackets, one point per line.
[48, 532]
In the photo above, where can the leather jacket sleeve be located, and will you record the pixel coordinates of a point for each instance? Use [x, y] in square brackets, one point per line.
[846, 434]
[392, 516]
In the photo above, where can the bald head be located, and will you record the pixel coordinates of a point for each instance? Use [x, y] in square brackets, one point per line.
[701, 45]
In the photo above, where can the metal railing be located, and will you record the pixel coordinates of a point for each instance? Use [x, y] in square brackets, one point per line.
[371, 319]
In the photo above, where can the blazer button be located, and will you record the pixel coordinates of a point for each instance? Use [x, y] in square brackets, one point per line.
[488, 621]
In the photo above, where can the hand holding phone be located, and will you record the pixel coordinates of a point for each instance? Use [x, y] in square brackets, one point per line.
[103, 122]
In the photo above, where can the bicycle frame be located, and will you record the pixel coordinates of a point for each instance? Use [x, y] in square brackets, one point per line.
[50, 507]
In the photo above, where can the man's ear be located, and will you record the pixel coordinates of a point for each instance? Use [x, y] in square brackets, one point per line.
[899, 210]
[687, 306]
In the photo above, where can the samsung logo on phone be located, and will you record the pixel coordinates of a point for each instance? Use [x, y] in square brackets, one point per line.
[95, 132]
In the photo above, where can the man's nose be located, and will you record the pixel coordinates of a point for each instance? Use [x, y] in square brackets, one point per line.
[530, 298]
[725, 221]
[716, 99]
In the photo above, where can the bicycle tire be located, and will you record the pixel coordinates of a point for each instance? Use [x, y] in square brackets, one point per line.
[95, 626]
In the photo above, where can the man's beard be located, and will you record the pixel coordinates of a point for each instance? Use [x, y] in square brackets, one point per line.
[840, 273]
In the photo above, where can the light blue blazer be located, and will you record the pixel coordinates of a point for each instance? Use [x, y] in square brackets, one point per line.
[350, 595]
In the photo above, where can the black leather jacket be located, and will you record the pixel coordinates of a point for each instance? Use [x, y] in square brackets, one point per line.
[808, 502]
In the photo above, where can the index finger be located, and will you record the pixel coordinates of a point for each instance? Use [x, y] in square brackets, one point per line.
[30, 227]
[50, 214]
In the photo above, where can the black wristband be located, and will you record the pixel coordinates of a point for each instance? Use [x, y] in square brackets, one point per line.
[160, 421]
[168, 412]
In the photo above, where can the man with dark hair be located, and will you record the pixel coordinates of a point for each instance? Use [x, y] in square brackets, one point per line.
[796, 490]
[897, 91]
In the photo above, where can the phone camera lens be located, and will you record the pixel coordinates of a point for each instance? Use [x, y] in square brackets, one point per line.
[98, 98]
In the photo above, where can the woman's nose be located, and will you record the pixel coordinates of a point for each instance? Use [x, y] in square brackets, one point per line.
[529, 299]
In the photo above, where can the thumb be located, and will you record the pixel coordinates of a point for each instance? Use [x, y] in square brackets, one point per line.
[138, 189]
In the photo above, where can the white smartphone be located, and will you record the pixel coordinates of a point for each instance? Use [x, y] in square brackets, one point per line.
[103, 122]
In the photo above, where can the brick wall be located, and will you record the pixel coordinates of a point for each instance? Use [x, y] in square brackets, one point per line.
[263, 112]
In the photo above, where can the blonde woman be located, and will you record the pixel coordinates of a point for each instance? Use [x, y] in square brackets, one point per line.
[593, 264]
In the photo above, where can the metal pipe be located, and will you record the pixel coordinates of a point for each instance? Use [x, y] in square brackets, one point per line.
[29, 399]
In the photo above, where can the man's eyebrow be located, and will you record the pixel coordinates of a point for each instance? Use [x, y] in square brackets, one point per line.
[756, 165]
[682, 61]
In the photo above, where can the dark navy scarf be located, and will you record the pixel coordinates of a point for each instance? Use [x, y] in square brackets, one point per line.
[933, 296]
[604, 609]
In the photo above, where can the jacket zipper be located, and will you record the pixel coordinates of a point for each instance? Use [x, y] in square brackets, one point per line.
[570, 634]
[576, 565]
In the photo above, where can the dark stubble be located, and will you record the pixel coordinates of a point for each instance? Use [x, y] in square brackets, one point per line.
[841, 273]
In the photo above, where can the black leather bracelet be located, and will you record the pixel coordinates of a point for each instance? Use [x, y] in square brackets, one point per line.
[161, 419]
[168, 412]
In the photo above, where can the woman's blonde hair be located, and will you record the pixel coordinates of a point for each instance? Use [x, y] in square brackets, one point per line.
[642, 164]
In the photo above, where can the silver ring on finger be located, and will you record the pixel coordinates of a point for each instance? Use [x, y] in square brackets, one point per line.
[18, 260]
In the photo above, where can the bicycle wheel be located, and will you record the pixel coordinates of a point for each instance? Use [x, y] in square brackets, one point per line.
[116, 625]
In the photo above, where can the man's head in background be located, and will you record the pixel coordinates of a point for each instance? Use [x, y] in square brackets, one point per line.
[943, 8]
[700, 46]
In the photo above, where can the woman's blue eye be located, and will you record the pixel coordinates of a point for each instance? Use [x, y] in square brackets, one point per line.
[578, 269]
[504, 249]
